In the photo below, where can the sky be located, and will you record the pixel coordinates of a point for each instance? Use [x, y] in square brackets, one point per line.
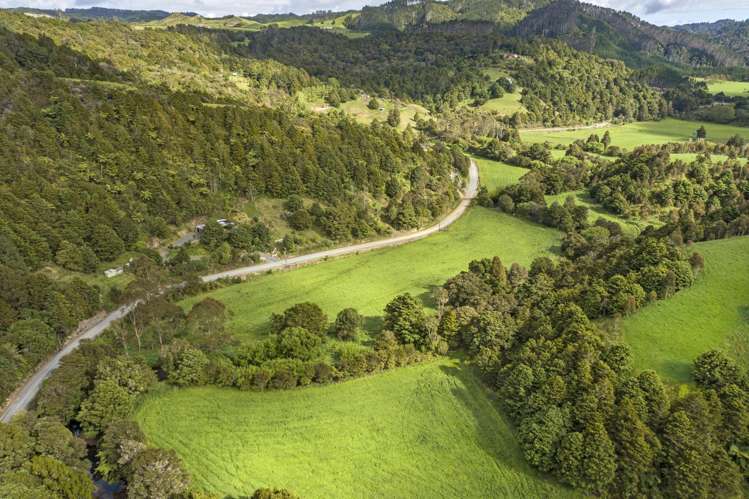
[661, 12]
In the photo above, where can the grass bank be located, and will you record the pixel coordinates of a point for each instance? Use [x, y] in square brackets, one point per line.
[429, 430]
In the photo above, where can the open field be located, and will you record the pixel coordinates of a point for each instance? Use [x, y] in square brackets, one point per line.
[645, 132]
[508, 104]
[714, 313]
[496, 174]
[429, 430]
[369, 281]
[730, 88]
[361, 113]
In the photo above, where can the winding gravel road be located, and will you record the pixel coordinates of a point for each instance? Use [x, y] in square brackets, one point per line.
[23, 397]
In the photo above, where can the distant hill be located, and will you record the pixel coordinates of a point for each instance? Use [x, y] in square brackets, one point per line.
[734, 35]
[100, 13]
[402, 14]
[623, 36]
[227, 22]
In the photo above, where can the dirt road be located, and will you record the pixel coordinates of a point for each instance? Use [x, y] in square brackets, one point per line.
[23, 397]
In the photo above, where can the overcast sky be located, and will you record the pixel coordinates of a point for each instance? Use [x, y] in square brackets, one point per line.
[656, 11]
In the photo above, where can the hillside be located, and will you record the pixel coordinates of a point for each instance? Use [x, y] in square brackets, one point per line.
[403, 14]
[731, 34]
[621, 35]
[100, 13]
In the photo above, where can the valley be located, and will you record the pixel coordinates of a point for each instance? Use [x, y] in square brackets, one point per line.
[460, 248]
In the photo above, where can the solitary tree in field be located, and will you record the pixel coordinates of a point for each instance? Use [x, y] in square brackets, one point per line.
[701, 133]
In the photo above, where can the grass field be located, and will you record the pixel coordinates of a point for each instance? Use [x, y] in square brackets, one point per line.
[496, 174]
[369, 281]
[730, 88]
[714, 313]
[361, 113]
[508, 104]
[429, 430]
[645, 132]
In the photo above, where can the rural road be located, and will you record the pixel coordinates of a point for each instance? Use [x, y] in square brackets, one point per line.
[23, 397]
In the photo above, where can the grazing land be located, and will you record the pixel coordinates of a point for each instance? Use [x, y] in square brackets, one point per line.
[358, 109]
[508, 104]
[635, 134]
[714, 313]
[496, 174]
[728, 87]
[369, 281]
[429, 430]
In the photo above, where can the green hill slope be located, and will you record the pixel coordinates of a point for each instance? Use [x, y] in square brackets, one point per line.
[714, 313]
[424, 431]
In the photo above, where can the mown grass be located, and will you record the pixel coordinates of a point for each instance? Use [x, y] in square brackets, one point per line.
[429, 430]
[369, 281]
[632, 135]
[714, 313]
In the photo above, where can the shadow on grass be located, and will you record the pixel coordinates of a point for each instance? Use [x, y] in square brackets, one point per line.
[469, 391]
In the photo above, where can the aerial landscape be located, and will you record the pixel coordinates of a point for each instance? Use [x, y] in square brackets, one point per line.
[351, 249]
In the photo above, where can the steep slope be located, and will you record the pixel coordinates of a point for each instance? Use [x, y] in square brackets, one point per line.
[734, 35]
[621, 35]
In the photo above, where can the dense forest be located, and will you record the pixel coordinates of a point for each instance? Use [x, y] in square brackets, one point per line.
[442, 69]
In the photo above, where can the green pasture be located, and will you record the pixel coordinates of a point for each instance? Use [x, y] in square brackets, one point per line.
[508, 104]
[639, 133]
[370, 280]
[358, 109]
[714, 313]
[496, 174]
[728, 87]
[429, 430]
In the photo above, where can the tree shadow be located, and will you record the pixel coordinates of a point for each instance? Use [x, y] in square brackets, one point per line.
[490, 440]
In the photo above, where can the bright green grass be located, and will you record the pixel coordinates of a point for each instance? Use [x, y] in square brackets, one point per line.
[496, 174]
[506, 105]
[730, 88]
[646, 132]
[668, 335]
[369, 281]
[422, 431]
[689, 157]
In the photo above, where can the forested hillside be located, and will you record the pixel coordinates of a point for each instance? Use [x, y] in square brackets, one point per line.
[623, 36]
[734, 35]
[404, 14]
[442, 69]
[94, 162]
